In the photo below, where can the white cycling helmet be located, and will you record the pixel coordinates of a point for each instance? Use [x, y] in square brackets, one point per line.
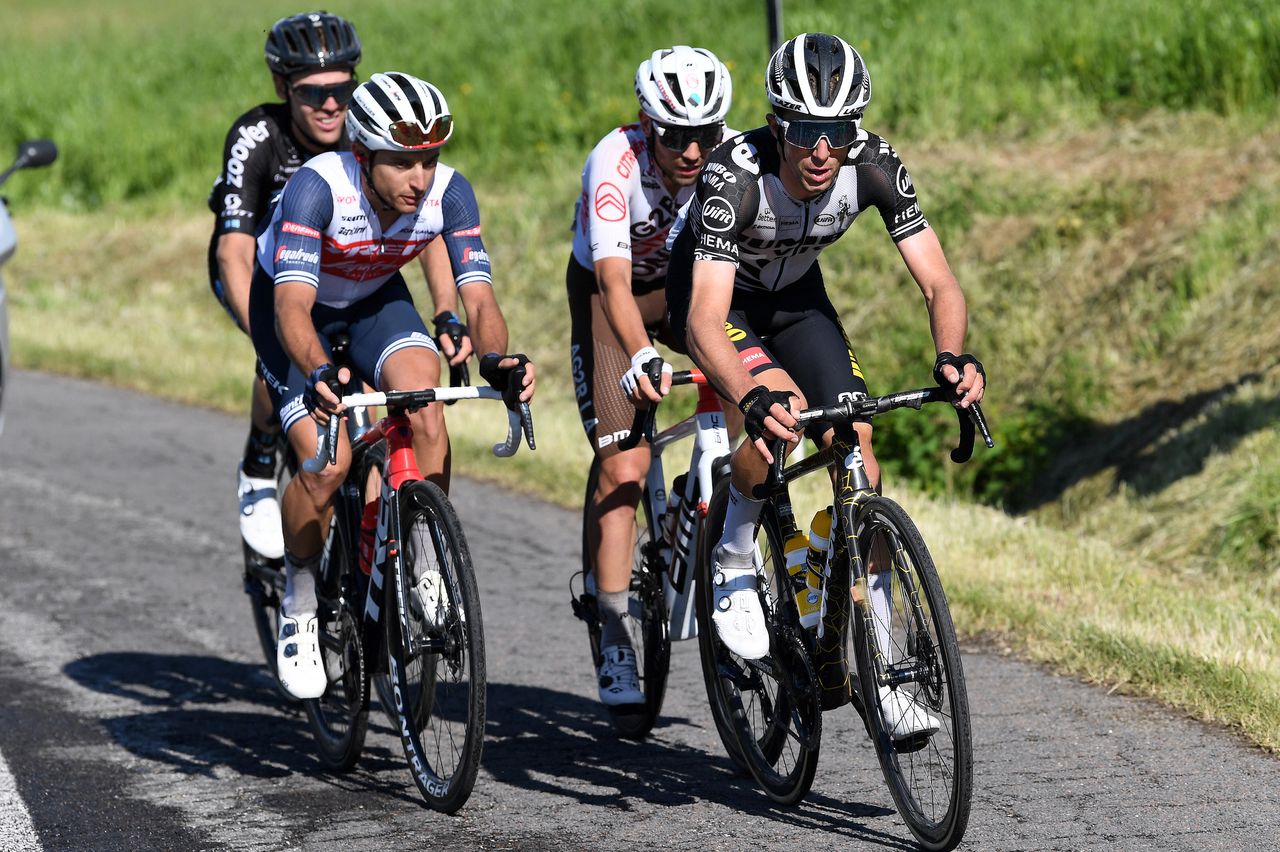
[820, 76]
[684, 86]
[398, 112]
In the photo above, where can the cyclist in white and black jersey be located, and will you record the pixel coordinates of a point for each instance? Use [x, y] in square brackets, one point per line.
[312, 59]
[329, 262]
[745, 289]
[633, 184]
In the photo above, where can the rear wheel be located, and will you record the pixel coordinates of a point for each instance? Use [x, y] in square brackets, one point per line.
[916, 656]
[766, 711]
[435, 644]
[647, 625]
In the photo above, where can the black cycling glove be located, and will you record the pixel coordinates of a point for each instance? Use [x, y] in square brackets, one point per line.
[447, 322]
[957, 361]
[508, 380]
[755, 408]
[326, 374]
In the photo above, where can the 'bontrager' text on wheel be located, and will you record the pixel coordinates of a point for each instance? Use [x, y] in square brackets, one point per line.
[435, 645]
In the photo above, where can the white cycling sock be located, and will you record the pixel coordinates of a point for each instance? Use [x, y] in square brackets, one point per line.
[613, 608]
[740, 522]
[880, 586]
[299, 585]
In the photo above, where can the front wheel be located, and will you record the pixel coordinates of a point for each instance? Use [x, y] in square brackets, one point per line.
[435, 645]
[912, 682]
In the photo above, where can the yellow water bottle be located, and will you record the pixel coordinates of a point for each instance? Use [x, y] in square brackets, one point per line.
[796, 552]
[815, 587]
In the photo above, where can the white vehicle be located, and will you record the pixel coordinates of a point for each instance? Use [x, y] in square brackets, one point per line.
[31, 154]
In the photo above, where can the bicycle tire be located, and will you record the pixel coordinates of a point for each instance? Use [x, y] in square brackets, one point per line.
[439, 689]
[930, 776]
[767, 712]
[339, 719]
[648, 626]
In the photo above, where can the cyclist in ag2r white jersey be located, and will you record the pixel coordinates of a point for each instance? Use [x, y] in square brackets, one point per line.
[633, 183]
[329, 263]
[745, 288]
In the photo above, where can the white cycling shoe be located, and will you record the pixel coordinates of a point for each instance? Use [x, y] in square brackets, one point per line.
[298, 660]
[260, 516]
[904, 717]
[738, 615]
[619, 679]
[429, 591]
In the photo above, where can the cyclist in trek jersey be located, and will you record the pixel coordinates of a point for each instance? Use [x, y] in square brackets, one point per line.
[633, 184]
[746, 290]
[329, 262]
[312, 59]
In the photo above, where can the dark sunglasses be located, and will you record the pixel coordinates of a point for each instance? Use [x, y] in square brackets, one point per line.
[806, 134]
[411, 134]
[316, 96]
[678, 138]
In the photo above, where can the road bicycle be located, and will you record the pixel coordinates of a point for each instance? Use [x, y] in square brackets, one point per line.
[661, 604]
[769, 711]
[402, 606]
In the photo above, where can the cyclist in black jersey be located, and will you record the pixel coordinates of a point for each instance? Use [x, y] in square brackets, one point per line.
[745, 290]
[312, 59]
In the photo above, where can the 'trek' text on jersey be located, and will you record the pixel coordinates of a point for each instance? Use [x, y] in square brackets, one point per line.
[741, 213]
[326, 234]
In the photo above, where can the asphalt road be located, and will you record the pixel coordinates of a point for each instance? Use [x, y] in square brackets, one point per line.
[136, 712]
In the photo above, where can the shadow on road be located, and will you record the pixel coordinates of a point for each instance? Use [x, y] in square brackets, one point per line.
[562, 744]
[204, 714]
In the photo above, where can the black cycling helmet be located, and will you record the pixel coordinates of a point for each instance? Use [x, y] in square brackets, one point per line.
[818, 75]
[311, 41]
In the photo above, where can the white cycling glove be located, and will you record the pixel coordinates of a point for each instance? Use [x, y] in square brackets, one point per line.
[631, 378]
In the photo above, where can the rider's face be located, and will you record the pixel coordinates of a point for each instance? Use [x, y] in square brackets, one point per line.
[809, 171]
[403, 177]
[678, 168]
[321, 125]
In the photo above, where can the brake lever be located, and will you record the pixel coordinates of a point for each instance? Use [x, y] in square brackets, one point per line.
[326, 446]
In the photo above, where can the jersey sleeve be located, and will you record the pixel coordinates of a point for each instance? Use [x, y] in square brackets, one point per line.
[884, 183]
[610, 180]
[306, 207]
[241, 194]
[725, 202]
[461, 232]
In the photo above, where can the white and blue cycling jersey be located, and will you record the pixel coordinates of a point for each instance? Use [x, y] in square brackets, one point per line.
[325, 233]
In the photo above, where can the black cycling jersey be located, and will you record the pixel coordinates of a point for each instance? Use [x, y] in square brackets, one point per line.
[742, 214]
[259, 156]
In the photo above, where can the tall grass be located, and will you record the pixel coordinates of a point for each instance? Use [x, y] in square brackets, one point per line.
[138, 92]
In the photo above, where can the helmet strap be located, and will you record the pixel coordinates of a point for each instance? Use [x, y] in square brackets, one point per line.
[366, 169]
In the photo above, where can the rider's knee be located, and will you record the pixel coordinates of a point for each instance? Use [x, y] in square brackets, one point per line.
[623, 470]
[429, 423]
[321, 487]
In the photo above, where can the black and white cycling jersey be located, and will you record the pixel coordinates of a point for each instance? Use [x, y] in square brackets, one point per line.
[742, 214]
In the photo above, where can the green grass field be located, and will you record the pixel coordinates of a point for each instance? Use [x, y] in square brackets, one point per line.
[1105, 178]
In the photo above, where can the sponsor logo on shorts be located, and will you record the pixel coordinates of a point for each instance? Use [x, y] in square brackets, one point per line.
[754, 357]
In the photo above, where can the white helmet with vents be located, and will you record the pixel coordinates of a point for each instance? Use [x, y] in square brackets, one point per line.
[398, 112]
[684, 86]
[819, 76]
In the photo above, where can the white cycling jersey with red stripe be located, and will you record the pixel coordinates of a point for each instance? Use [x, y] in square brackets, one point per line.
[625, 209]
[325, 233]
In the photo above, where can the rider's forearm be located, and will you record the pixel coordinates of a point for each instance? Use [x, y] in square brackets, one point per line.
[712, 351]
[296, 332]
[613, 275]
[484, 318]
[235, 254]
[439, 274]
[948, 316]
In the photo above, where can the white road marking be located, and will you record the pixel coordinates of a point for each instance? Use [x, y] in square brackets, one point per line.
[16, 830]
